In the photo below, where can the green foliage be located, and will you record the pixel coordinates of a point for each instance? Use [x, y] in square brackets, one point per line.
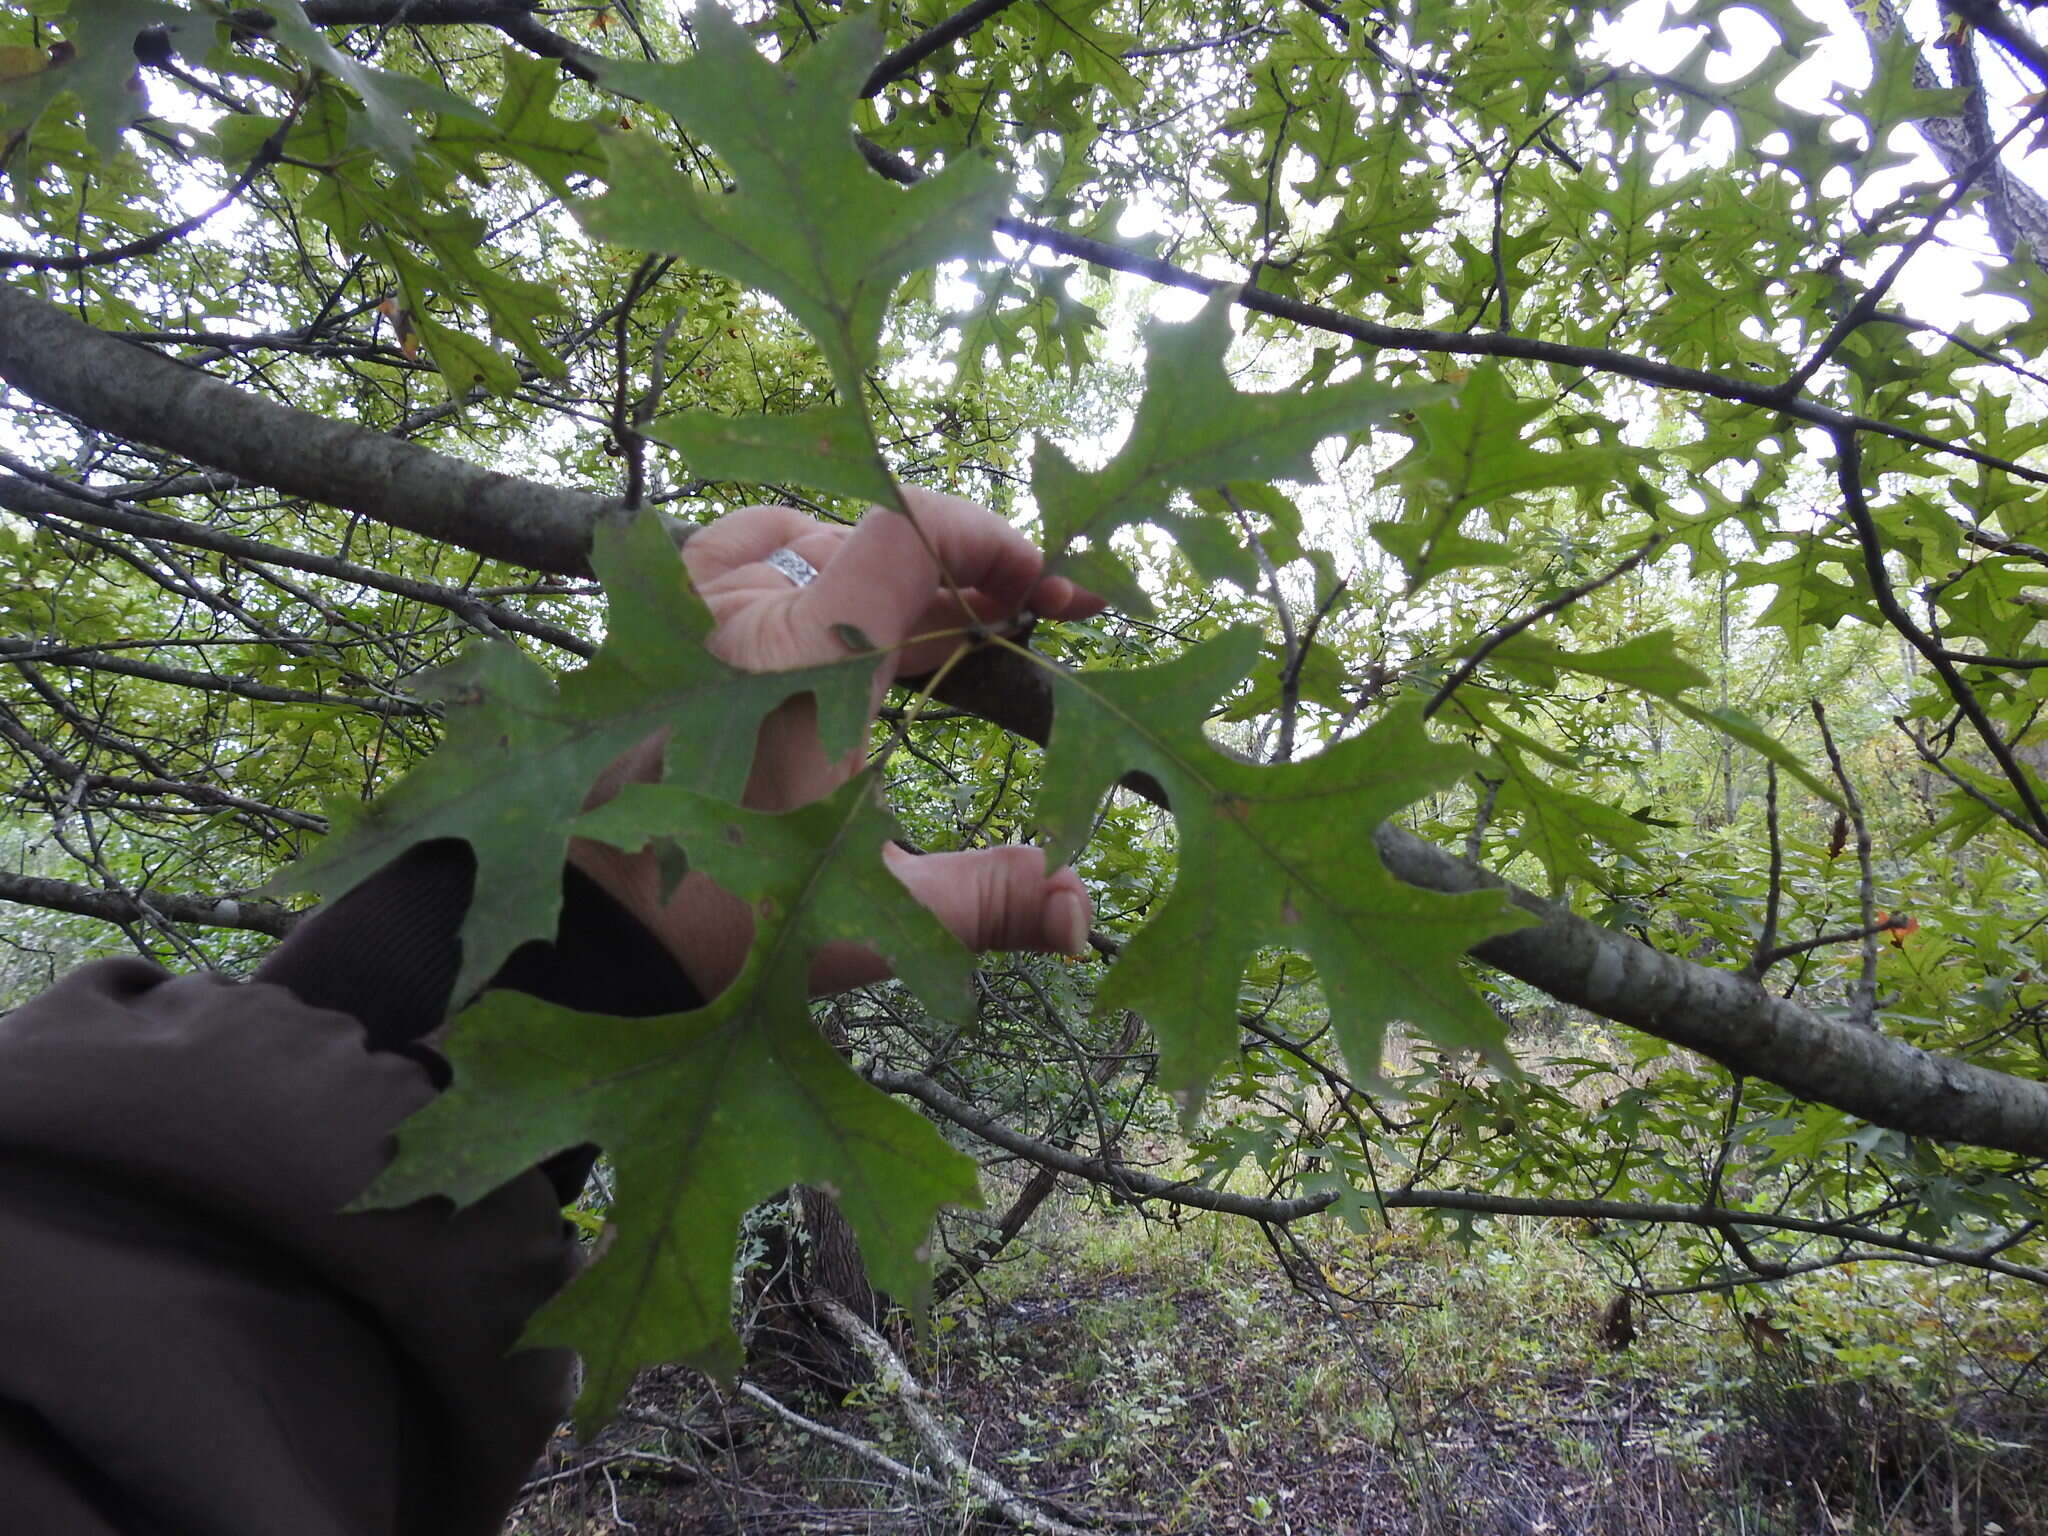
[1192, 430]
[1292, 845]
[807, 221]
[1472, 250]
[522, 751]
[705, 1114]
[1279, 855]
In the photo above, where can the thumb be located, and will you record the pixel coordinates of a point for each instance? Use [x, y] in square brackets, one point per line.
[988, 898]
[998, 898]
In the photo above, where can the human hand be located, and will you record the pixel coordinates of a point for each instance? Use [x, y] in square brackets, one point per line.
[883, 579]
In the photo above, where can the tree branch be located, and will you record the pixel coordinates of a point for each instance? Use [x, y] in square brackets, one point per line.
[911, 1396]
[136, 393]
[131, 391]
[1720, 1014]
[42, 499]
[1128, 1182]
[896, 65]
[133, 907]
[16, 648]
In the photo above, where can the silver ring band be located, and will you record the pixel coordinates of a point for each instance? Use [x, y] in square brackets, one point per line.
[801, 572]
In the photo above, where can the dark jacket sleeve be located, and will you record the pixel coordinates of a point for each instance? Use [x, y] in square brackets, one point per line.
[192, 1339]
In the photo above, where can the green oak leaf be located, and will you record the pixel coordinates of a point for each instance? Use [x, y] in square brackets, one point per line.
[1559, 827]
[1470, 456]
[1893, 98]
[1193, 430]
[1653, 664]
[706, 1114]
[99, 69]
[1807, 596]
[523, 127]
[850, 896]
[1276, 855]
[388, 98]
[808, 221]
[465, 361]
[522, 750]
[833, 443]
[375, 218]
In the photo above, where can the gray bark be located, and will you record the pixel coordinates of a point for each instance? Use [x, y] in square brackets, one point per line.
[134, 907]
[143, 396]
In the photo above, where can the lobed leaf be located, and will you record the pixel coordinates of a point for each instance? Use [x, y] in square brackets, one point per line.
[521, 751]
[807, 221]
[1193, 429]
[706, 1114]
[1275, 855]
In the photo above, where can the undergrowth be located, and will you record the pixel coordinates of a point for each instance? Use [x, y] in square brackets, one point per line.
[1193, 1377]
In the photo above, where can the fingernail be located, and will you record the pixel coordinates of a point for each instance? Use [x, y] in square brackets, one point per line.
[1066, 922]
[1054, 593]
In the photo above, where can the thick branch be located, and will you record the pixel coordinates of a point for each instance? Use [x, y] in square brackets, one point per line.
[1720, 1014]
[130, 391]
[129, 907]
[1734, 1020]
[139, 394]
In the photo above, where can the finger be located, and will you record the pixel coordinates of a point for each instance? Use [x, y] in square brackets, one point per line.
[989, 898]
[884, 578]
[944, 624]
[1058, 598]
[741, 538]
[999, 898]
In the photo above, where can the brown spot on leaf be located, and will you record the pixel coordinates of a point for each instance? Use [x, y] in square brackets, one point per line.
[1236, 807]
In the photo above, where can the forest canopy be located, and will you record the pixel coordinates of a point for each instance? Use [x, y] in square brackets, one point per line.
[1567, 737]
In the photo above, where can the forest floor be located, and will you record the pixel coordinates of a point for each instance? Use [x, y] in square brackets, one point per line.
[1130, 1376]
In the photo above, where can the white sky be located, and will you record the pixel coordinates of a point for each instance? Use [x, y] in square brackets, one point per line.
[1656, 35]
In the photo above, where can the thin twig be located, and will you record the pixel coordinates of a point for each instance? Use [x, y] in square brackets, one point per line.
[1863, 999]
[1849, 476]
[1766, 941]
[853, 1445]
[1865, 308]
[1894, 923]
[673, 1465]
[1290, 695]
[1536, 616]
[144, 245]
[896, 1378]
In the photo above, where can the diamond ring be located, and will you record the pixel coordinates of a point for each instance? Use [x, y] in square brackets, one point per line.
[801, 572]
